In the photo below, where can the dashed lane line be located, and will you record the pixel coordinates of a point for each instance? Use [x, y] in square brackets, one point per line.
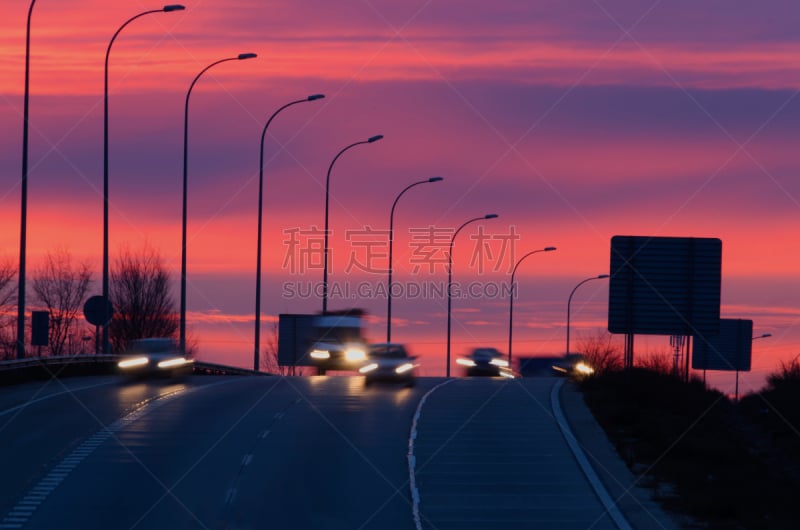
[24, 509]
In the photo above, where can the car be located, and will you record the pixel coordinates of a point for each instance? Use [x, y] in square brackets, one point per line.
[574, 365]
[485, 362]
[154, 356]
[389, 362]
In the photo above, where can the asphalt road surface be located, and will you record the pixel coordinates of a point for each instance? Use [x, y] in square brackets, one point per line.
[271, 452]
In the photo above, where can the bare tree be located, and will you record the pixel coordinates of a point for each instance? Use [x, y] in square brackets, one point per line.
[269, 357]
[8, 292]
[601, 352]
[660, 361]
[60, 286]
[143, 305]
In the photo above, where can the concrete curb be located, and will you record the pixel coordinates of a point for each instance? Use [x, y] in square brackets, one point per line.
[597, 485]
[634, 501]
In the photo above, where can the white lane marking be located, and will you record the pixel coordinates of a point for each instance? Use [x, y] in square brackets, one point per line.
[412, 460]
[264, 434]
[43, 398]
[49, 482]
[597, 485]
[246, 460]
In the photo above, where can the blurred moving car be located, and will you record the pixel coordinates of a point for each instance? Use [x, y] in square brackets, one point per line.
[389, 362]
[337, 340]
[154, 356]
[486, 362]
[573, 364]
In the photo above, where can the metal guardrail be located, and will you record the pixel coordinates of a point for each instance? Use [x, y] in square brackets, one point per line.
[29, 367]
[30, 362]
[203, 367]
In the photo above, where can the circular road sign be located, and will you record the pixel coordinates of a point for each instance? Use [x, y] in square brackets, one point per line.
[98, 310]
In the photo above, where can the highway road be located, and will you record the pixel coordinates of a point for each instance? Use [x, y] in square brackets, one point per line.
[239, 452]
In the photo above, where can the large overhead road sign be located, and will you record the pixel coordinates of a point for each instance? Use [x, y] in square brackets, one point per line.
[664, 285]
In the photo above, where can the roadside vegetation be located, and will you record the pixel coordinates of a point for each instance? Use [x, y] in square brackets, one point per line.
[139, 291]
[721, 464]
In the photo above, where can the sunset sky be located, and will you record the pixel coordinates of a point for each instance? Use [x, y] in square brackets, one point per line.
[574, 120]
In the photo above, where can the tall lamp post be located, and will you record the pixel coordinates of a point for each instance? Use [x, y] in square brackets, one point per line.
[240, 57]
[256, 354]
[569, 300]
[450, 278]
[23, 225]
[391, 244]
[511, 287]
[165, 9]
[369, 140]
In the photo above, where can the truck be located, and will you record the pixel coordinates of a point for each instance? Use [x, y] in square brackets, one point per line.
[330, 341]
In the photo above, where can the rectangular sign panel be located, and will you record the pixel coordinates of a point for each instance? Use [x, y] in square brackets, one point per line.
[664, 285]
[294, 339]
[40, 328]
[731, 349]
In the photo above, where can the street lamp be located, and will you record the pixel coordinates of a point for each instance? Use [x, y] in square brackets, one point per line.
[736, 390]
[256, 361]
[450, 278]
[240, 57]
[569, 300]
[165, 9]
[23, 230]
[511, 295]
[391, 244]
[369, 140]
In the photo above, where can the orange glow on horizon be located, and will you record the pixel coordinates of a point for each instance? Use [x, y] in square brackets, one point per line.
[570, 131]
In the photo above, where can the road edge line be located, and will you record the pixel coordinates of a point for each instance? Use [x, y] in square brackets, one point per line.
[39, 399]
[597, 485]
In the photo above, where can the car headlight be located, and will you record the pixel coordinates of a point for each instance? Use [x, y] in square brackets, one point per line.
[355, 355]
[583, 368]
[133, 362]
[320, 354]
[403, 368]
[465, 362]
[368, 368]
[173, 363]
[499, 362]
